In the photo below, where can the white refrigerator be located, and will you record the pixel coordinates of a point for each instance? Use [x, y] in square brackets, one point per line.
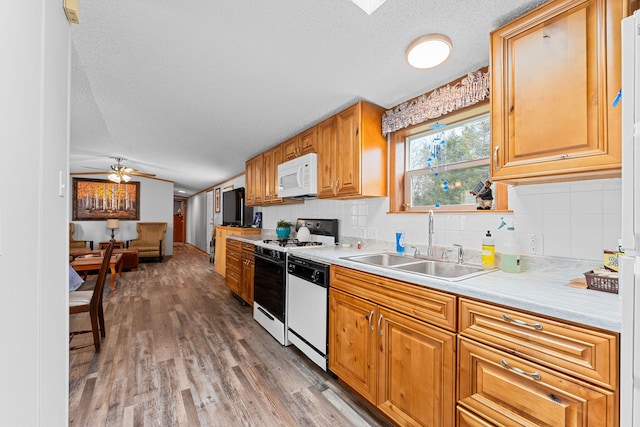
[630, 263]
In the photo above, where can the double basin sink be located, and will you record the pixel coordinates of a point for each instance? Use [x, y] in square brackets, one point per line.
[424, 266]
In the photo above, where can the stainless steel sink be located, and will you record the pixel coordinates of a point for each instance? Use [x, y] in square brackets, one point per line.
[425, 267]
[383, 259]
[444, 270]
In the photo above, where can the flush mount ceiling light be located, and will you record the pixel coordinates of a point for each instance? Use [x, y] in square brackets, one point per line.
[369, 6]
[429, 51]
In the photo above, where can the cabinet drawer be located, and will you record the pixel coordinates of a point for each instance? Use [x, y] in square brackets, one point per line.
[234, 245]
[437, 308]
[575, 350]
[511, 391]
[465, 418]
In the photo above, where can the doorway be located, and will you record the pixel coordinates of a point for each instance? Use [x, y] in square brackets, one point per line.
[179, 223]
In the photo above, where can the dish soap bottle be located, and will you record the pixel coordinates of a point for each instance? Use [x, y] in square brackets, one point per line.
[488, 250]
[511, 252]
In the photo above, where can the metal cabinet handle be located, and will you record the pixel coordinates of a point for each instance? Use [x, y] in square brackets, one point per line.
[337, 189]
[534, 375]
[370, 317]
[537, 326]
[496, 166]
[379, 321]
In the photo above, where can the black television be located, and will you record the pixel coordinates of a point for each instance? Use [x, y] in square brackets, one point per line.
[234, 211]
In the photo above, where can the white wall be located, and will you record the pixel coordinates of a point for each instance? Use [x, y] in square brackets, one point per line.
[34, 83]
[197, 221]
[156, 205]
[576, 220]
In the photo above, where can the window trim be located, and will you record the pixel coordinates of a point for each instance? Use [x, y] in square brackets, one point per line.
[398, 158]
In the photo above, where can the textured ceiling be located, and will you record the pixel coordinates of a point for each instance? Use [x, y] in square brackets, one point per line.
[189, 90]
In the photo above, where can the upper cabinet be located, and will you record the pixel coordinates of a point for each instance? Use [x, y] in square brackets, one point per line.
[346, 142]
[272, 158]
[301, 144]
[555, 73]
[254, 180]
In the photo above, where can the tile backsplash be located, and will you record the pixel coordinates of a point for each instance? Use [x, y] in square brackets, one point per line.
[571, 220]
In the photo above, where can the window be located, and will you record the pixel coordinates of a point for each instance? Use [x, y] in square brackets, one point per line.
[446, 162]
[425, 159]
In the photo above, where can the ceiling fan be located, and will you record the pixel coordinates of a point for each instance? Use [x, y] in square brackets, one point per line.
[122, 173]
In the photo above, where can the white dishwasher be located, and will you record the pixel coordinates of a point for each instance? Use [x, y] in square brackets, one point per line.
[307, 307]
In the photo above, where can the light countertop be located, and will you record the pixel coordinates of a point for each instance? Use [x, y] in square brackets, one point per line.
[539, 290]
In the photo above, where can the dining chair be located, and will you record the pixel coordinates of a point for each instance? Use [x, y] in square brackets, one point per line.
[91, 302]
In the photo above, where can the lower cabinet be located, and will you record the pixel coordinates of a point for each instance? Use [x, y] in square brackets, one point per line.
[248, 268]
[429, 358]
[239, 269]
[521, 369]
[222, 232]
[401, 364]
[508, 390]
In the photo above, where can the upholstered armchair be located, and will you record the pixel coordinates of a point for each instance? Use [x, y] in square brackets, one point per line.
[151, 239]
[77, 247]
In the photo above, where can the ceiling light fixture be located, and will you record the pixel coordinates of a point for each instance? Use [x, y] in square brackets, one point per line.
[429, 51]
[120, 172]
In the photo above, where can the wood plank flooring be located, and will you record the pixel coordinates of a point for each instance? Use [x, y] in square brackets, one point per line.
[181, 351]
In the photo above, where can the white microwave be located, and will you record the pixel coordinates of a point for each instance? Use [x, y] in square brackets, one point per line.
[299, 177]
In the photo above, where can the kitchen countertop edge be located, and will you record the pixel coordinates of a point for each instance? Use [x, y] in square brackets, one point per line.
[542, 291]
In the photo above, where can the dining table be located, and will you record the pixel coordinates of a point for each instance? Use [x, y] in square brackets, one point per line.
[94, 262]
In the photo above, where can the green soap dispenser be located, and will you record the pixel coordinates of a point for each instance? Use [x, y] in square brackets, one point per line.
[510, 251]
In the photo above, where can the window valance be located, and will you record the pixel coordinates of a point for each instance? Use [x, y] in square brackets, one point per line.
[468, 90]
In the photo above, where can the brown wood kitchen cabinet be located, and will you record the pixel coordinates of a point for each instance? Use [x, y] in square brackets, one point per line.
[303, 143]
[387, 342]
[271, 159]
[348, 142]
[233, 267]
[555, 72]
[221, 243]
[240, 269]
[254, 180]
[248, 268]
[515, 368]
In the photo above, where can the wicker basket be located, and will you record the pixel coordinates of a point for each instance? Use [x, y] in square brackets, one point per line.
[601, 283]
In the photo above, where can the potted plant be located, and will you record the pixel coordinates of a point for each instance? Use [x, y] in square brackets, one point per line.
[283, 229]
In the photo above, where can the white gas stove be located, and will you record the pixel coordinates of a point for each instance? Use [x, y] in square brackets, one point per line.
[270, 277]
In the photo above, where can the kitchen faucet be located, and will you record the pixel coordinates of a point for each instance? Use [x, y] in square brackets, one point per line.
[430, 247]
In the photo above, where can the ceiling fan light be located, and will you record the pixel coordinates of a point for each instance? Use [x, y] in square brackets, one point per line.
[429, 51]
[114, 177]
[126, 178]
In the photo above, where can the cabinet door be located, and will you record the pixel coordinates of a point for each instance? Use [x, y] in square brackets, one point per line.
[307, 141]
[510, 391]
[348, 161]
[254, 180]
[555, 72]
[352, 342]
[271, 160]
[416, 371]
[326, 157]
[248, 263]
[233, 278]
[290, 148]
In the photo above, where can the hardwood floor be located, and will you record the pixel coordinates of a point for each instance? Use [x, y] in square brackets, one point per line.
[181, 351]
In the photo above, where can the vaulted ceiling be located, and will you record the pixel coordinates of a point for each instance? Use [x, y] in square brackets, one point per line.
[188, 90]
